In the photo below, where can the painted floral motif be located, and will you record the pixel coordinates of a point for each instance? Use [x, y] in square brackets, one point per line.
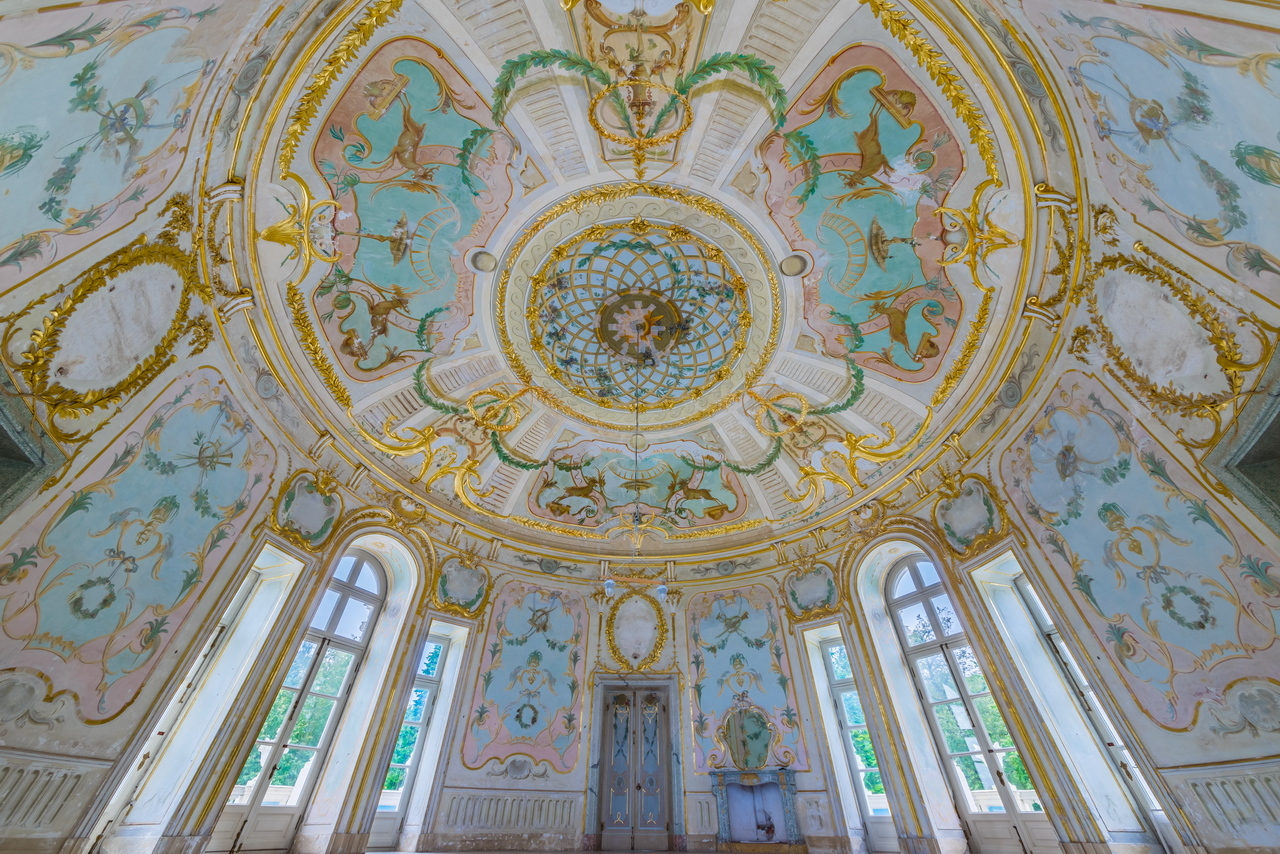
[591, 484]
[117, 91]
[739, 660]
[858, 188]
[401, 291]
[1187, 111]
[528, 696]
[1184, 601]
[94, 588]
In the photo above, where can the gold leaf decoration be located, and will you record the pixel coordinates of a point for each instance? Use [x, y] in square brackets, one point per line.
[376, 14]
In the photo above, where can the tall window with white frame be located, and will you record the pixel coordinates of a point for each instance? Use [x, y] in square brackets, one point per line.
[290, 747]
[405, 759]
[967, 725]
[861, 756]
[1075, 678]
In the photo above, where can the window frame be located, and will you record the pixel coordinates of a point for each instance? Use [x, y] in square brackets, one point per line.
[326, 638]
[431, 684]
[838, 687]
[945, 643]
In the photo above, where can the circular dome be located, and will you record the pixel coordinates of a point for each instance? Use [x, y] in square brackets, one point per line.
[638, 301]
[638, 315]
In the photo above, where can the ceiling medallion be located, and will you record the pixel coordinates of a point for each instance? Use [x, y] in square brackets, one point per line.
[611, 316]
[635, 315]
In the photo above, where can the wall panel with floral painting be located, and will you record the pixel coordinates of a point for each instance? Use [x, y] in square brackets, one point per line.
[1182, 598]
[95, 586]
[1185, 115]
[532, 674]
[97, 106]
[741, 691]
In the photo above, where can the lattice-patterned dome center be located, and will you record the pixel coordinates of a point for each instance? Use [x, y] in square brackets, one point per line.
[638, 301]
[638, 314]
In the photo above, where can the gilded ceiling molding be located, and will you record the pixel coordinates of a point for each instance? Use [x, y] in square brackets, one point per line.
[376, 14]
[311, 345]
[900, 26]
[47, 381]
[1221, 336]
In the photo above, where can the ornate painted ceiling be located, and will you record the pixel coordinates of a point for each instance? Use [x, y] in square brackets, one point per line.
[645, 278]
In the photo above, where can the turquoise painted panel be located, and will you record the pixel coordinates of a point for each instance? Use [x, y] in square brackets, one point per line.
[528, 694]
[738, 661]
[96, 111]
[1183, 599]
[884, 159]
[401, 290]
[96, 585]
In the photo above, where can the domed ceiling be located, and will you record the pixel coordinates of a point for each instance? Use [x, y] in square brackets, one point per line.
[640, 277]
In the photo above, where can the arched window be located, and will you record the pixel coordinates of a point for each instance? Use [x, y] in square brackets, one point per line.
[987, 773]
[290, 748]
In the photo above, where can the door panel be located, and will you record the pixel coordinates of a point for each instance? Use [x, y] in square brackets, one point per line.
[635, 772]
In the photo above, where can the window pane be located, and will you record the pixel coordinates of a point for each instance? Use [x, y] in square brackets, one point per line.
[275, 718]
[976, 783]
[354, 620]
[290, 778]
[392, 790]
[852, 708]
[325, 611]
[936, 676]
[301, 661]
[928, 574]
[956, 727]
[904, 585]
[993, 722]
[1015, 774]
[344, 567]
[947, 620]
[915, 624]
[430, 662]
[873, 786]
[405, 741]
[862, 749]
[368, 578]
[1037, 606]
[839, 659]
[309, 728]
[332, 672]
[970, 672]
[417, 704]
[249, 774]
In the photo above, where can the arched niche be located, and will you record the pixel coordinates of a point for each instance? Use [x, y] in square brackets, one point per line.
[915, 780]
[377, 694]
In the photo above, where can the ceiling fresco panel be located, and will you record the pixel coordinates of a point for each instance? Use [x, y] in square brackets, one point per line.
[859, 194]
[401, 291]
[1184, 113]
